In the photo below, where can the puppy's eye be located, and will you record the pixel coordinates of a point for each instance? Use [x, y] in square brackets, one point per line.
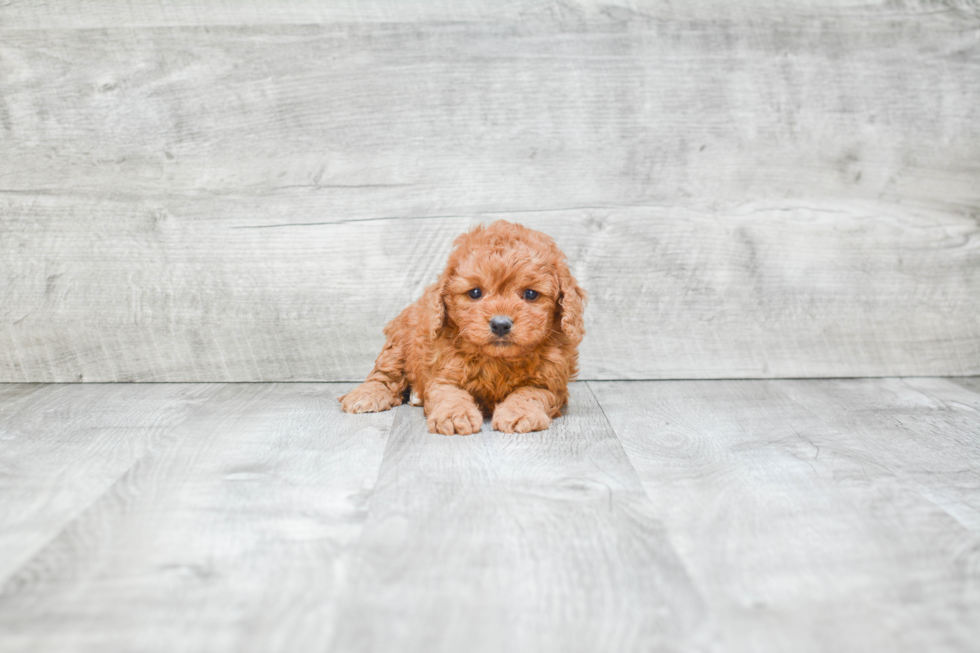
[476, 293]
[530, 295]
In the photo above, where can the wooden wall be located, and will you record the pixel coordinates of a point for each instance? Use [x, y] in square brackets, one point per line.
[247, 191]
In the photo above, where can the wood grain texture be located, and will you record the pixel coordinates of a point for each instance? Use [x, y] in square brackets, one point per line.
[14, 394]
[729, 516]
[72, 14]
[970, 383]
[169, 168]
[60, 450]
[815, 515]
[231, 535]
[536, 542]
[502, 113]
[928, 434]
[754, 291]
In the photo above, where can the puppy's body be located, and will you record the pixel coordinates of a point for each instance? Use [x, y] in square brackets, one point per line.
[497, 334]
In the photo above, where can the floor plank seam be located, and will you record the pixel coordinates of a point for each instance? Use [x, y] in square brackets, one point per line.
[152, 450]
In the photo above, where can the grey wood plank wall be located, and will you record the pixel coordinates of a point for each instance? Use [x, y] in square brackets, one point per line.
[207, 191]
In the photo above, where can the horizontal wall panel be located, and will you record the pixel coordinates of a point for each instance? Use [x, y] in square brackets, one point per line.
[218, 289]
[500, 114]
[88, 14]
[214, 191]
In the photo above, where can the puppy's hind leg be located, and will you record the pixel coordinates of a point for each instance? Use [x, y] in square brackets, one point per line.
[384, 386]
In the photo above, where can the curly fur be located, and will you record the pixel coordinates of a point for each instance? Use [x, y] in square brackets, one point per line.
[443, 348]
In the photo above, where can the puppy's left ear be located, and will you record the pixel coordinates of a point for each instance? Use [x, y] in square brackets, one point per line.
[571, 304]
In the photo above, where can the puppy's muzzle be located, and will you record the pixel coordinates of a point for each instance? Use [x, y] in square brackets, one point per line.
[501, 325]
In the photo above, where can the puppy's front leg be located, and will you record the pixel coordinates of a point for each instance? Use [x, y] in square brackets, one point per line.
[384, 386]
[526, 409]
[372, 396]
[450, 410]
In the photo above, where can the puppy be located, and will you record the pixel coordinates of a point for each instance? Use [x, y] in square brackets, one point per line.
[497, 335]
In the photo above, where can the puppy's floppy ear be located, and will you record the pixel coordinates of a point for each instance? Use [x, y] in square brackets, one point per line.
[433, 314]
[571, 305]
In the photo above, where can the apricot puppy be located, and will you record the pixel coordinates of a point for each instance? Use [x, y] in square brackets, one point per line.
[496, 335]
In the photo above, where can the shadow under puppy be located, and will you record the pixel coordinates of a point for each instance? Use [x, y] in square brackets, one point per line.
[496, 335]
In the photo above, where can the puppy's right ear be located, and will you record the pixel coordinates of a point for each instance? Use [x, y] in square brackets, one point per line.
[433, 314]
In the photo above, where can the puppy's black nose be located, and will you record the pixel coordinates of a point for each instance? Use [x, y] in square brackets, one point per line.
[500, 325]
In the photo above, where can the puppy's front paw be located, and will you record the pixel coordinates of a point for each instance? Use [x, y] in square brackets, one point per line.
[459, 417]
[521, 417]
[369, 397]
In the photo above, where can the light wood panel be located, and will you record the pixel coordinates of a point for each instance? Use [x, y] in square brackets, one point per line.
[231, 535]
[62, 449]
[970, 383]
[815, 515]
[13, 394]
[551, 111]
[536, 542]
[926, 431]
[188, 292]
[71, 14]
[752, 189]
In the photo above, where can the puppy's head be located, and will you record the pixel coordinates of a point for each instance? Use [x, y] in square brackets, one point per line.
[507, 289]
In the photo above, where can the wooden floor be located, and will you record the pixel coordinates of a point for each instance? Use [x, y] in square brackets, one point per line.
[818, 515]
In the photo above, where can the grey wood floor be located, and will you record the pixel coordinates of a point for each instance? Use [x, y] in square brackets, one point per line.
[818, 515]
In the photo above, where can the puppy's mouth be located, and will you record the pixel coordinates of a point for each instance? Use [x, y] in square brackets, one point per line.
[504, 347]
